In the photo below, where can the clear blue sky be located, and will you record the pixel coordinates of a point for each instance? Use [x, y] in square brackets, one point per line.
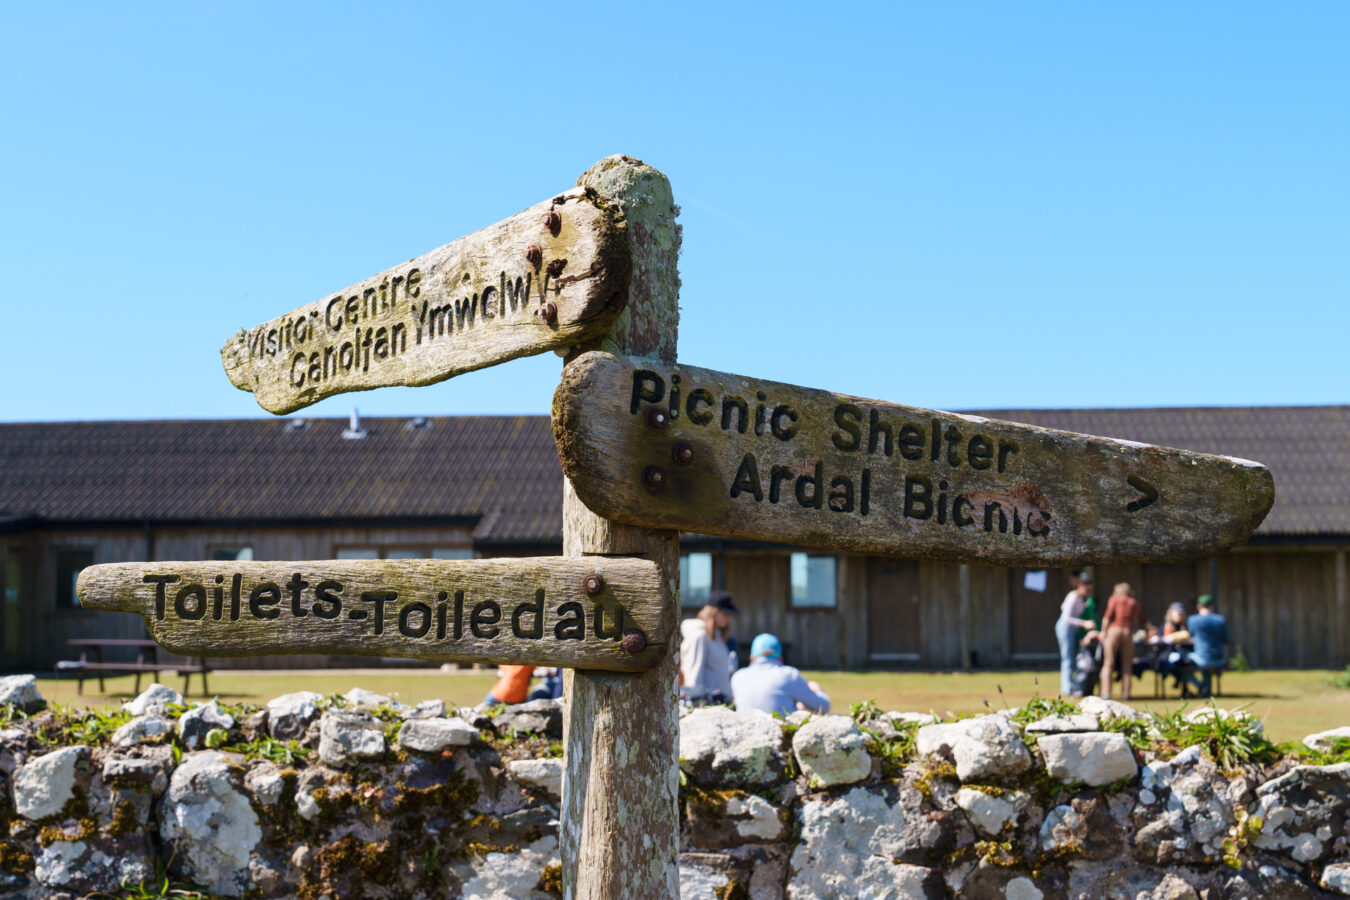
[948, 205]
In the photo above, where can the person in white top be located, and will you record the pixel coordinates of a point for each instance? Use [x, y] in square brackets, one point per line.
[705, 660]
[1066, 630]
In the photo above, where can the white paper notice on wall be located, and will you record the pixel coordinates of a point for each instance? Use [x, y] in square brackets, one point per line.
[1034, 580]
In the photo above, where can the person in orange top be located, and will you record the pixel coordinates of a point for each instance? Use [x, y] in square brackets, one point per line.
[1122, 617]
[513, 685]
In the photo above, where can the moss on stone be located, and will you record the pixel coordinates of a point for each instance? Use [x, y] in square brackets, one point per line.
[14, 860]
[551, 881]
[124, 819]
[732, 890]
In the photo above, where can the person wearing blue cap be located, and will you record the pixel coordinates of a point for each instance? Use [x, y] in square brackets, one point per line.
[768, 685]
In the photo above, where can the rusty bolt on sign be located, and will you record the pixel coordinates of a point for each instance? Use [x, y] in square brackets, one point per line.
[593, 584]
[633, 641]
[553, 222]
[656, 418]
[548, 312]
[534, 255]
[555, 267]
[683, 453]
[653, 478]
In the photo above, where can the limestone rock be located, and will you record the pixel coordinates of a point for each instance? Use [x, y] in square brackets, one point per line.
[720, 747]
[348, 737]
[1299, 808]
[156, 695]
[861, 844]
[532, 717]
[265, 783]
[1268, 882]
[992, 814]
[1094, 758]
[434, 735]
[85, 867]
[910, 718]
[831, 751]
[360, 698]
[21, 691]
[210, 820]
[1326, 740]
[135, 771]
[1064, 724]
[541, 774]
[289, 715]
[982, 747]
[194, 724]
[721, 820]
[1336, 877]
[1110, 709]
[427, 709]
[44, 786]
[1188, 810]
[1084, 827]
[514, 875]
[150, 728]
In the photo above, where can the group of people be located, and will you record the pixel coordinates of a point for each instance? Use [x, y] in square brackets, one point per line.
[1083, 634]
[709, 671]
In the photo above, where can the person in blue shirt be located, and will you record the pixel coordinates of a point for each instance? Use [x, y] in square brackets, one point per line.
[766, 684]
[1209, 631]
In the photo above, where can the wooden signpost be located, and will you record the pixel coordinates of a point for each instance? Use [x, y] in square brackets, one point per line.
[672, 446]
[612, 614]
[546, 278]
[649, 447]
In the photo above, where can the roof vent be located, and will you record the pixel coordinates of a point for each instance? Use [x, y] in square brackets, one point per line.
[418, 423]
[296, 425]
[354, 431]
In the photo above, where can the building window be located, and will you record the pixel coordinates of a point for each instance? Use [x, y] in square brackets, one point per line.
[232, 554]
[696, 578]
[813, 580]
[403, 552]
[68, 566]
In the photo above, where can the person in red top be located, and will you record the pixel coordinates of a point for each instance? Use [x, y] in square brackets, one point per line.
[513, 684]
[1122, 617]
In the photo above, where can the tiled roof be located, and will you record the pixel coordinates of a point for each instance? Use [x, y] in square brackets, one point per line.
[502, 471]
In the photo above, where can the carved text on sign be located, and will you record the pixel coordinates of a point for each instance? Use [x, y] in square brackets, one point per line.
[546, 278]
[516, 610]
[715, 453]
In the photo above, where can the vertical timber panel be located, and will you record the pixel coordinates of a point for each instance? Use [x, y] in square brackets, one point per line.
[620, 803]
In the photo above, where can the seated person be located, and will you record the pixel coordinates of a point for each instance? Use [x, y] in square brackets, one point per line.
[766, 684]
[1174, 624]
[1209, 630]
[513, 685]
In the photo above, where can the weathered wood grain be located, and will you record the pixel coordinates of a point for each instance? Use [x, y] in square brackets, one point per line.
[544, 279]
[671, 446]
[620, 821]
[526, 611]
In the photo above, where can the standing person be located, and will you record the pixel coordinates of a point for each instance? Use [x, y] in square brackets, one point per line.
[705, 661]
[1066, 631]
[768, 685]
[1209, 630]
[1122, 617]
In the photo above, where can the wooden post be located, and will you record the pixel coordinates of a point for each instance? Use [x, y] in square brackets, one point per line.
[620, 803]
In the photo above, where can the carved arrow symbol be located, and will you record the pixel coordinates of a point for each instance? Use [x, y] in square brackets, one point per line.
[1149, 491]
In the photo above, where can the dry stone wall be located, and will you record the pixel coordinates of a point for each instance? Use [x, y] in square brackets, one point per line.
[358, 797]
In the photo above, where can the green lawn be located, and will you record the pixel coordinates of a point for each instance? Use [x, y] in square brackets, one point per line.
[1293, 703]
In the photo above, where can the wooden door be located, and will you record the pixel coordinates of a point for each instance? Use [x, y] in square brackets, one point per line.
[1032, 613]
[1164, 585]
[894, 631]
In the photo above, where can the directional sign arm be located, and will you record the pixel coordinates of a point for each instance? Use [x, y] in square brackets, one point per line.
[547, 278]
[671, 446]
[609, 614]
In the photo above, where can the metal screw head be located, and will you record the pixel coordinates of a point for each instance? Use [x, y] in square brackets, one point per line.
[633, 641]
[534, 255]
[555, 267]
[553, 222]
[653, 478]
[548, 312]
[593, 584]
[683, 453]
[657, 418]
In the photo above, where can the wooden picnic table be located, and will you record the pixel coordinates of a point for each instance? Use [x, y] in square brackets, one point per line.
[147, 660]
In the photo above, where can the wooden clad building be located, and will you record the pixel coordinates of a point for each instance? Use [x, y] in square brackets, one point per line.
[73, 494]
